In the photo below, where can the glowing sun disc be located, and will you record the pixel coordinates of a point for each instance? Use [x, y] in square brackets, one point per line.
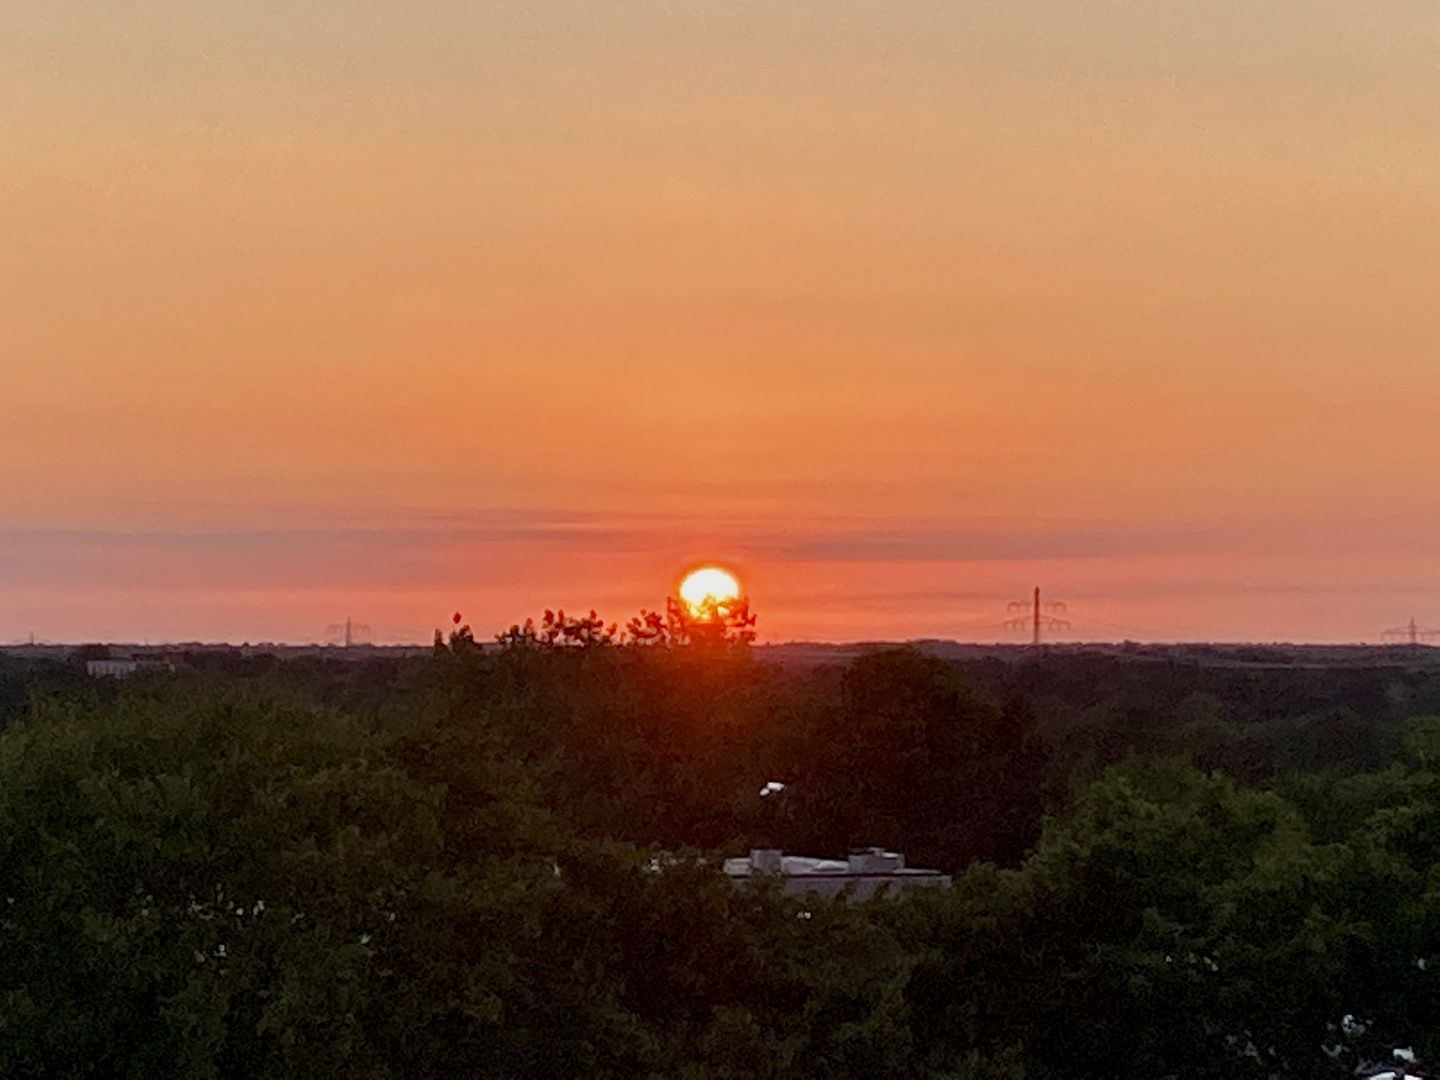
[709, 588]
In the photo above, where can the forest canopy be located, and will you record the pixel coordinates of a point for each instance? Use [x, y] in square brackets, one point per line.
[504, 862]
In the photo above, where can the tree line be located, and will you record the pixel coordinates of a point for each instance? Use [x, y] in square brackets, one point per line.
[503, 862]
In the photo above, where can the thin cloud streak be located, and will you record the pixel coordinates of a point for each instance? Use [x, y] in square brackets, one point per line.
[436, 543]
[933, 581]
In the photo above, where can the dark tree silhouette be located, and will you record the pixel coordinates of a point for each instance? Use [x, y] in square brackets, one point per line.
[722, 623]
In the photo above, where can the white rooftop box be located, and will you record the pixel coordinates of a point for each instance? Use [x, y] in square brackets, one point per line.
[865, 872]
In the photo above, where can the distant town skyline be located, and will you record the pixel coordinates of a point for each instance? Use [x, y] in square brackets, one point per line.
[320, 310]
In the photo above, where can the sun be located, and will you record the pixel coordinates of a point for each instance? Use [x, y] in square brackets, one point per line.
[708, 591]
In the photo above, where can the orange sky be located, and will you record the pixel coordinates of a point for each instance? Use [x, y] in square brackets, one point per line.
[311, 309]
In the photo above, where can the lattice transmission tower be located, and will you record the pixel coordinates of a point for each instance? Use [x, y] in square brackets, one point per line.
[1410, 634]
[347, 633]
[1041, 616]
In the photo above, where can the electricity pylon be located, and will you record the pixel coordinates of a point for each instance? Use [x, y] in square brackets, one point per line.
[1410, 634]
[1044, 617]
[347, 633]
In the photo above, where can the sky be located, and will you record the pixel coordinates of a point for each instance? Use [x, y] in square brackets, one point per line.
[314, 309]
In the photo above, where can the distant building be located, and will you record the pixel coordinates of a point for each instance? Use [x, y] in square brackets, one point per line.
[864, 873]
[111, 669]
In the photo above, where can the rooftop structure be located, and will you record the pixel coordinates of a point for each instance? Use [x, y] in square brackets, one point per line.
[122, 667]
[111, 669]
[865, 872]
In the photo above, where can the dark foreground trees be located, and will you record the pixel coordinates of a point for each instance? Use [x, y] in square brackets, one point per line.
[209, 880]
[237, 888]
[228, 888]
[916, 759]
[675, 745]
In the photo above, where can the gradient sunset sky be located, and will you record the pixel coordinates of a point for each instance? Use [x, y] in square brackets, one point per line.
[316, 308]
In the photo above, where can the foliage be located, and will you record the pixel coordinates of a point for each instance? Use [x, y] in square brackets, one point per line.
[915, 759]
[230, 888]
[557, 630]
[501, 861]
[715, 625]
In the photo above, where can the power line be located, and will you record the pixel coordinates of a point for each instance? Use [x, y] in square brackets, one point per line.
[1410, 633]
[347, 633]
[1042, 616]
